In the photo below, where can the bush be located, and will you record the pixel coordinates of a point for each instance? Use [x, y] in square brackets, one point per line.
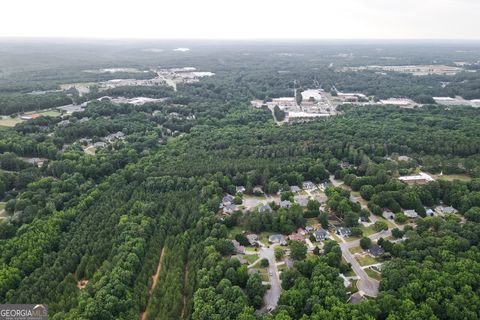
[380, 226]
[365, 243]
[356, 232]
[264, 263]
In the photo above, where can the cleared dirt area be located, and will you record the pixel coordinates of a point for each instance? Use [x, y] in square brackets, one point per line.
[143, 315]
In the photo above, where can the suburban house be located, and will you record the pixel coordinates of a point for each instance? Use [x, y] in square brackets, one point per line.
[296, 237]
[302, 200]
[309, 185]
[253, 239]
[226, 200]
[376, 251]
[321, 234]
[277, 238]
[239, 249]
[265, 208]
[115, 136]
[229, 208]
[295, 189]
[63, 123]
[99, 144]
[258, 189]
[430, 212]
[421, 178]
[344, 232]
[411, 214]
[285, 204]
[239, 189]
[388, 215]
[442, 210]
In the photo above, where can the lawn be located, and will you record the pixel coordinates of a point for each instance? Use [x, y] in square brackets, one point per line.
[264, 237]
[9, 122]
[3, 213]
[368, 231]
[234, 231]
[365, 260]
[51, 113]
[452, 177]
[263, 274]
[373, 274]
[282, 267]
[353, 286]
[355, 250]
[311, 222]
[251, 258]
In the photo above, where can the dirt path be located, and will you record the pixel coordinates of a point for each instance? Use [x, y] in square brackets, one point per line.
[143, 315]
[185, 279]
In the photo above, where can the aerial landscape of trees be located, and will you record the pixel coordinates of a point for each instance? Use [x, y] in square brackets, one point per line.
[133, 228]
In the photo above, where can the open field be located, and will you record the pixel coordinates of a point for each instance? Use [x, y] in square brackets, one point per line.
[373, 274]
[355, 250]
[3, 214]
[9, 122]
[46, 112]
[365, 260]
[251, 258]
[452, 177]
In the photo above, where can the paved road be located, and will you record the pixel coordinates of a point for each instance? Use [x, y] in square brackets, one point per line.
[365, 284]
[273, 294]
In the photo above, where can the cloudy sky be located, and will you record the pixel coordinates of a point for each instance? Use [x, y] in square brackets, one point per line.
[242, 19]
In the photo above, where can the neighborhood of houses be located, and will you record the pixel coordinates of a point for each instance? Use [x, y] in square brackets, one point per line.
[366, 263]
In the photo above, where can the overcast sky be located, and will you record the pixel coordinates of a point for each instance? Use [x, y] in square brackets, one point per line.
[242, 19]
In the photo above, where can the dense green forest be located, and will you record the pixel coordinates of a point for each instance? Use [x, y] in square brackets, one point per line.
[133, 229]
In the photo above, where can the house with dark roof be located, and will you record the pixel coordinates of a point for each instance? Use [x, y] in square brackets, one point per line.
[344, 232]
[376, 251]
[321, 234]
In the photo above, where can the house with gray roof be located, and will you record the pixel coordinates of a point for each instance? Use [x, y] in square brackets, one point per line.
[265, 208]
[240, 189]
[285, 204]
[239, 249]
[252, 238]
[295, 189]
[229, 208]
[411, 214]
[309, 185]
[443, 210]
[277, 238]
